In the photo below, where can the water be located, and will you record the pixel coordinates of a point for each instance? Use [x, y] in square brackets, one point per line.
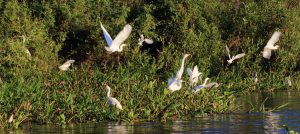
[237, 122]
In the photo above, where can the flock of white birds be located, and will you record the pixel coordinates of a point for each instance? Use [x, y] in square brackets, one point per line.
[175, 83]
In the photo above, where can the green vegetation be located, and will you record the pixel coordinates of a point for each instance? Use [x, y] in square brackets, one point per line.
[35, 90]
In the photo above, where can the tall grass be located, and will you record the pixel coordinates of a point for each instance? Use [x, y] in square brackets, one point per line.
[33, 89]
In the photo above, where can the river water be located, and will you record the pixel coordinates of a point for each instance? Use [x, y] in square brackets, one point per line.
[262, 118]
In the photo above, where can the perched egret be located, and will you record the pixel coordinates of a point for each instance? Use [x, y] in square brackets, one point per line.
[175, 83]
[66, 65]
[111, 100]
[231, 59]
[11, 118]
[194, 75]
[26, 49]
[255, 78]
[142, 39]
[289, 81]
[116, 44]
[270, 45]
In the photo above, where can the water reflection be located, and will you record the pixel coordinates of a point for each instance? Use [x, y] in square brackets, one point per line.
[238, 122]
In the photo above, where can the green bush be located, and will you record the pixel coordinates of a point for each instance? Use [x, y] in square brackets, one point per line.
[33, 88]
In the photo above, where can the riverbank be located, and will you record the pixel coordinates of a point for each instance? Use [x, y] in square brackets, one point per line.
[34, 89]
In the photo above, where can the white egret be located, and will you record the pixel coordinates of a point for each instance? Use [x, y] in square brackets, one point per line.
[289, 81]
[255, 78]
[194, 75]
[175, 83]
[26, 49]
[116, 44]
[270, 45]
[142, 39]
[111, 100]
[231, 59]
[199, 87]
[11, 118]
[211, 85]
[66, 65]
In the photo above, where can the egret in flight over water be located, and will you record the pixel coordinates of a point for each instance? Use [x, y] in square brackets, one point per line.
[142, 40]
[111, 100]
[175, 83]
[194, 75]
[66, 65]
[116, 44]
[231, 59]
[270, 45]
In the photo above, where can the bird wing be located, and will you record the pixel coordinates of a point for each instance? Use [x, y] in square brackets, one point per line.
[149, 41]
[66, 64]
[122, 36]
[199, 87]
[189, 71]
[195, 71]
[211, 85]
[228, 52]
[106, 36]
[69, 62]
[273, 39]
[170, 81]
[238, 56]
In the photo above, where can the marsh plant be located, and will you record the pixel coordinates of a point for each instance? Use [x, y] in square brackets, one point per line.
[33, 89]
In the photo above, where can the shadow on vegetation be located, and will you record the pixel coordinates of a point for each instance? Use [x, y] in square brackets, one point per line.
[78, 45]
[152, 49]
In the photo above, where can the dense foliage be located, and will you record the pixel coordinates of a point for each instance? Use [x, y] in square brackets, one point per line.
[34, 89]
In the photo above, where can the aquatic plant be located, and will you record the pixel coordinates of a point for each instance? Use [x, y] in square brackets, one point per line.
[56, 31]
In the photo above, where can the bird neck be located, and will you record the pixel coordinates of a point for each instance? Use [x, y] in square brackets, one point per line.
[108, 92]
[205, 81]
[180, 71]
[121, 47]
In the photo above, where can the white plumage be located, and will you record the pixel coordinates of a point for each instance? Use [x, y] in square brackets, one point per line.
[270, 45]
[26, 49]
[199, 87]
[66, 65]
[194, 75]
[11, 118]
[205, 85]
[142, 39]
[175, 83]
[231, 59]
[116, 44]
[111, 100]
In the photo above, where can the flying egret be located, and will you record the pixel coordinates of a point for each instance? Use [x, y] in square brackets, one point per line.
[199, 87]
[194, 75]
[111, 100]
[175, 83]
[211, 85]
[142, 40]
[66, 65]
[116, 44]
[270, 45]
[231, 59]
